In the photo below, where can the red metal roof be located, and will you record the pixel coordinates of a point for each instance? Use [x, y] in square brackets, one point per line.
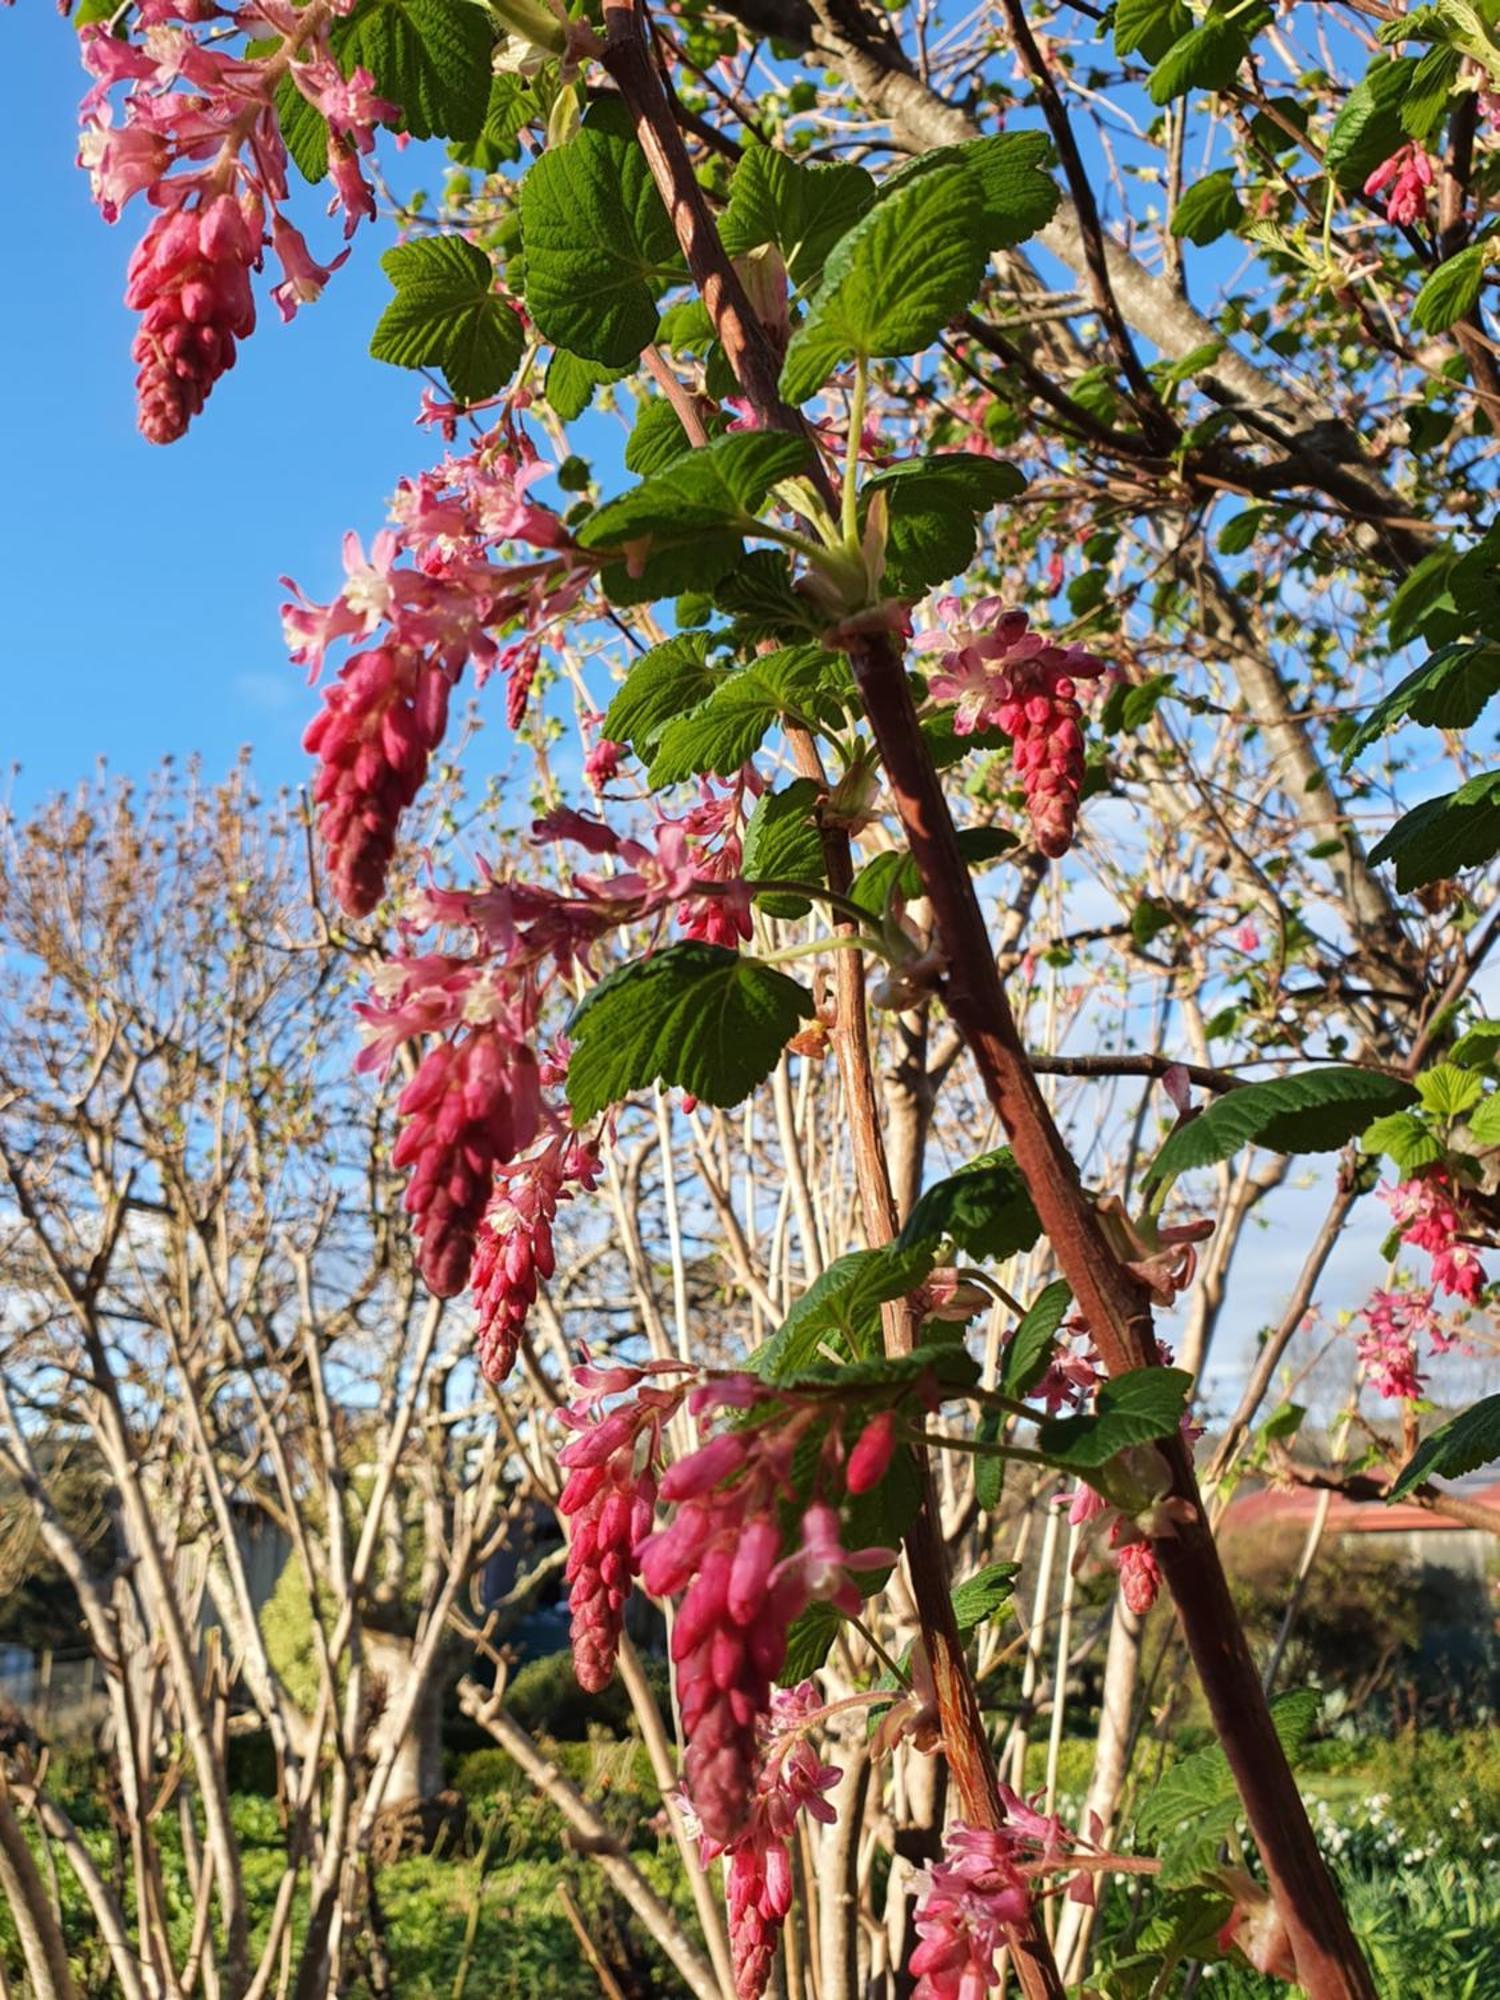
[1277, 1506]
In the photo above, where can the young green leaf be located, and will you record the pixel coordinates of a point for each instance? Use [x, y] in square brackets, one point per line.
[981, 1597]
[447, 314]
[1451, 292]
[1150, 27]
[693, 1017]
[1447, 1091]
[935, 506]
[721, 485]
[1209, 209]
[1208, 57]
[984, 1209]
[894, 281]
[802, 211]
[1193, 1807]
[570, 383]
[1029, 1350]
[671, 678]
[782, 842]
[1450, 690]
[1315, 1111]
[842, 1308]
[599, 246]
[1443, 836]
[1463, 1444]
[758, 593]
[1133, 1409]
[1404, 1139]
[799, 684]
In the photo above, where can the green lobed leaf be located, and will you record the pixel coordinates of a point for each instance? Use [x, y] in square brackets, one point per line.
[1133, 1409]
[1368, 127]
[720, 485]
[1028, 1352]
[843, 1308]
[431, 57]
[599, 247]
[1443, 836]
[514, 103]
[656, 439]
[571, 381]
[802, 210]
[693, 1017]
[446, 314]
[1478, 1047]
[1425, 103]
[1451, 292]
[797, 683]
[782, 842]
[891, 285]
[809, 1642]
[981, 1597]
[1192, 1808]
[1463, 1444]
[758, 593]
[1209, 209]
[672, 677]
[935, 505]
[983, 1208]
[1447, 1090]
[1450, 690]
[1314, 1111]
[1484, 1126]
[1150, 26]
[1207, 57]
[1403, 1138]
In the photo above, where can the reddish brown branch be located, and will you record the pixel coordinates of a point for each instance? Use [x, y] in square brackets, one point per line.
[1329, 1961]
[757, 368]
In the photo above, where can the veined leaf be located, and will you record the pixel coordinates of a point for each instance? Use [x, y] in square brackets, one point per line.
[1463, 1444]
[894, 281]
[671, 678]
[782, 842]
[1315, 1111]
[694, 1017]
[1450, 690]
[599, 246]
[446, 314]
[1442, 837]
[983, 1208]
[1132, 1409]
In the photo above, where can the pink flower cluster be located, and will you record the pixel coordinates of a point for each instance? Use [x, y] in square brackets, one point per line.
[1433, 1216]
[792, 1778]
[967, 1903]
[1001, 674]
[515, 1244]
[1408, 176]
[386, 712]
[200, 139]
[610, 1501]
[740, 1594]
[1387, 1344]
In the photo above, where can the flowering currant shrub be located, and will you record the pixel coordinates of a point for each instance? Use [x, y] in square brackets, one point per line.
[823, 696]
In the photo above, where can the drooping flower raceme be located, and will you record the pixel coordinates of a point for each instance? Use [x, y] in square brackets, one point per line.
[1000, 674]
[200, 138]
[1405, 179]
[1432, 1215]
[740, 1591]
[966, 1904]
[515, 1244]
[792, 1778]
[609, 1502]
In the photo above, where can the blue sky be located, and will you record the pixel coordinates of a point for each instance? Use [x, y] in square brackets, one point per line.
[146, 618]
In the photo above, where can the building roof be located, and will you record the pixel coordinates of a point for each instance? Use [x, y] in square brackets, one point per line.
[1280, 1506]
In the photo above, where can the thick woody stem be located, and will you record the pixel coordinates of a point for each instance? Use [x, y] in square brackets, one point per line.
[1118, 1312]
[754, 360]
